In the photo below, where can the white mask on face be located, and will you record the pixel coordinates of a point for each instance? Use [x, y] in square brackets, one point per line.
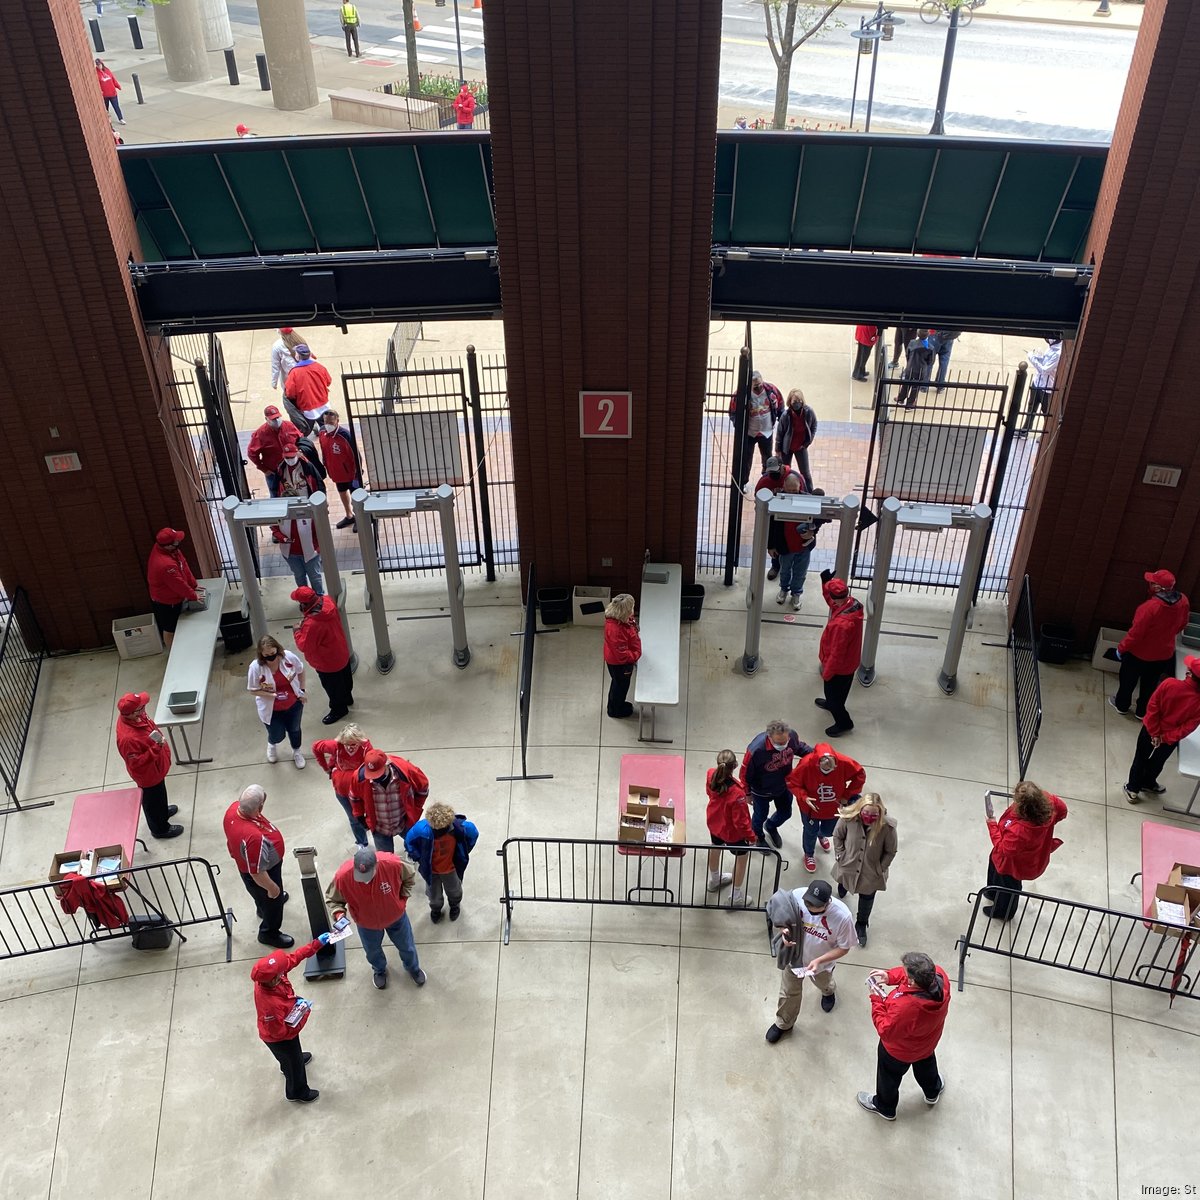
[275, 422]
[291, 462]
[331, 428]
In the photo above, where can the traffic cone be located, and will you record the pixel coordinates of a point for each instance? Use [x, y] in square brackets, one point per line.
[416, 22]
[477, 4]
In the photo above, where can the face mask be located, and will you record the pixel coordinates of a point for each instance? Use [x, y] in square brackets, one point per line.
[827, 770]
[331, 429]
[275, 422]
[779, 745]
[868, 816]
[291, 462]
[797, 407]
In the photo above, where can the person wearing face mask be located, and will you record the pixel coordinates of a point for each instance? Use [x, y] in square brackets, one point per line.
[170, 581]
[1147, 651]
[341, 758]
[147, 758]
[296, 474]
[266, 445]
[307, 384]
[276, 681]
[763, 406]
[864, 844]
[822, 781]
[795, 433]
[774, 479]
[322, 640]
[340, 456]
[765, 768]
[839, 652]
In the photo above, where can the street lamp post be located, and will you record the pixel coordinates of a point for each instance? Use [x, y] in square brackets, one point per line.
[458, 41]
[869, 34]
[939, 111]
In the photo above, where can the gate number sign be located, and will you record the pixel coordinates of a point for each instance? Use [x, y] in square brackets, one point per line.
[606, 414]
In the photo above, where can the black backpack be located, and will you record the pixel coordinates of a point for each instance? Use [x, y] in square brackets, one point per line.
[305, 446]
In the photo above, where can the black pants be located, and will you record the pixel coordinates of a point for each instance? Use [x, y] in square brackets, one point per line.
[801, 459]
[1143, 674]
[866, 902]
[888, 1073]
[861, 354]
[1039, 401]
[351, 32]
[270, 912]
[154, 808]
[339, 687]
[836, 691]
[1148, 761]
[619, 675]
[1004, 905]
[904, 335]
[290, 1057]
[764, 444]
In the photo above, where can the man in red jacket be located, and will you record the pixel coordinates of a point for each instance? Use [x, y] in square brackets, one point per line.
[307, 384]
[822, 781]
[840, 651]
[170, 581]
[147, 758]
[265, 450]
[1173, 712]
[1147, 651]
[389, 795]
[909, 1020]
[281, 1017]
[322, 641]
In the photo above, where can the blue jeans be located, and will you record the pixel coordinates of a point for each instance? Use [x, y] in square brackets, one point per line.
[943, 358]
[385, 842]
[286, 723]
[401, 935]
[792, 570]
[814, 829]
[357, 828]
[762, 806]
[306, 572]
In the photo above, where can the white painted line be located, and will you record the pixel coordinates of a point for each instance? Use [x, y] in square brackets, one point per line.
[441, 31]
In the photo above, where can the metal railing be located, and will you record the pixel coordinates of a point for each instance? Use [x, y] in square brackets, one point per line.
[1027, 682]
[588, 871]
[1101, 942]
[176, 894]
[22, 651]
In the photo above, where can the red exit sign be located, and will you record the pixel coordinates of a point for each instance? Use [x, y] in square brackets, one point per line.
[58, 464]
[606, 414]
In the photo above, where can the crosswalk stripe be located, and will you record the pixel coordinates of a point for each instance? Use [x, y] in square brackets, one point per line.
[440, 31]
[384, 50]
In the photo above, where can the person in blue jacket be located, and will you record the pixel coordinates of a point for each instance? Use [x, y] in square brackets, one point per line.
[441, 844]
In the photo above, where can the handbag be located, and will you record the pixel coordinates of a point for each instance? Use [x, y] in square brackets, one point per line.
[151, 932]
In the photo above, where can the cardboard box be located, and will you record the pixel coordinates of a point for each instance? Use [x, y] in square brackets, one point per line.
[104, 861]
[1180, 872]
[588, 604]
[67, 862]
[647, 822]
[1107, 639]
[137, 637]
[1167, 893]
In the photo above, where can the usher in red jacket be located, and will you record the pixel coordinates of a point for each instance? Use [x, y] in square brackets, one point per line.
[840, 650]
[1174, 710]
[274, 1003]
[320, 637]
[1023, 850]
[1156, 624]
[622, 642]
[909, 1021]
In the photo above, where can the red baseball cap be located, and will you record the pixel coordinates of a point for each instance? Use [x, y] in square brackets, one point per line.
[270, 411]
[1162, 578]
[375, 764]
[289, 443]
[169, 536]
[131, 702]
[837, 588]
[268, 968]
[242, 129]
[304, 596]
[1192, 665]
[287, 329]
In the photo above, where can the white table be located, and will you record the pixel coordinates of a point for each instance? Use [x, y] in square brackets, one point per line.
[1189, 765]
[658, 621]
[189, 666]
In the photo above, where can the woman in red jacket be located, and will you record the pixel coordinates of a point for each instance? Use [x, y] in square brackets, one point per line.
[1022, 842]
[840, 651]
[729, 824]
[147, 758]
[170, 581]
[622, 649]
[909, 1020]
[341, 758]
[280, 1017]
[109, 87]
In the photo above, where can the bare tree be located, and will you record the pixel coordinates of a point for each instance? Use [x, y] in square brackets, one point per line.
[789, 25]
[410, 50]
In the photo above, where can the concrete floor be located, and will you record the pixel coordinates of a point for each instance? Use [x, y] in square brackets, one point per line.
[610, 1053]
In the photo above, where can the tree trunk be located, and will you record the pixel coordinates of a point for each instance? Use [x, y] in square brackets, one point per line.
[410, 50]
[783, 77]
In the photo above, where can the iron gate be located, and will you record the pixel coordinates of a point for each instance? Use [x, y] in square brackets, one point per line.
[717, 472]
[22, 649]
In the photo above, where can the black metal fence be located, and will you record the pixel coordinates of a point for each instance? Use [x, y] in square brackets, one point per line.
[22, 650]
[1121, 947]
[175, 894]
[528, 634]
[571, 871]
[1027, 682]
[717, 468]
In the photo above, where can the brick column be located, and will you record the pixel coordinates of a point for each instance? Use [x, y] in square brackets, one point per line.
[603, 118]
[1130, 396]
[74, 363]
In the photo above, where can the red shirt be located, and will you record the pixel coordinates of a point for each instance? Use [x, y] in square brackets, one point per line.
[254, 843]
[840, 650]
[337, 453]
[169, 577]
[442, 859]
[109, 86]
[866, 335]
[380, 903]
[1174, 710]
[274, 1003]
[464, 107]
[909, 1022]
[1156, 624]
[820, 795]
[727, 815]
[321, 638]
[146, 761]
[285, 695]
[339, 763]
[391, 809]
[776, 485]
[622, 642]
[1023, 850]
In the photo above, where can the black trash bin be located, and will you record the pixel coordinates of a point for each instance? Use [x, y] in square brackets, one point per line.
[691, 601]
[554, 604]
[235, 632]
[1056, 643]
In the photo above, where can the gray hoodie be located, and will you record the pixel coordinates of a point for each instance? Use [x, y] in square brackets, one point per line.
[784, 913]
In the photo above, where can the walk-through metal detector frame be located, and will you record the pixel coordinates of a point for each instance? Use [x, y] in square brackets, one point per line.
[240, 514]
[370, 507]
[893, 513]
[789, 506]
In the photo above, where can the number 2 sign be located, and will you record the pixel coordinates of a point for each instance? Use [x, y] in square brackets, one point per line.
[606, 414]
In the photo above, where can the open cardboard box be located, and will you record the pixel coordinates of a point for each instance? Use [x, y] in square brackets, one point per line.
[646, 821]
[1166, 893]
[67, 862]
[1181, 872]
[108, 862]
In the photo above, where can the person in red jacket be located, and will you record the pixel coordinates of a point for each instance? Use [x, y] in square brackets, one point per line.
[1147, 652]
[622, 649]
[774, 479]
[389, 795]
[109, 87]
[170, 581]
[321, 639]
[728, 818]
[1173, 713]
[464, 107]
[147, 758]
[822, 781]
[281, 1016]
[307, 384]
[909, 1020]
[840, 651]
[341, 758]
[265, 450]
[865, 336]
[1022, 842]
[340, 457]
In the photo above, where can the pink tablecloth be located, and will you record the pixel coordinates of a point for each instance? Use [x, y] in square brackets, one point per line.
[1162, 847]
[105, 819]
[662, 771]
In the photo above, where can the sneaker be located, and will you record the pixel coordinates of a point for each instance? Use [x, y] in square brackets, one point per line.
[307, 1098]
[941, 1089]
[861, 930]
[272, 753]
[782, 597]
[740, 898]
[773, 834]
[797, 601]
[379, 979]
[827, 1002]
[1134, 797]
[892, 366]
[867, 1101]
[1112, 703]
[716, 881]
[775, 1033]
[418, 977]
[1155, 789]
[810, 863]
[299, 759]
[824, 844]
[435, 915]
[454, 913]
[773, 573]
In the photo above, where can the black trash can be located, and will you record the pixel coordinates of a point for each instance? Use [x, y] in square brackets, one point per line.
[1056, 643]
[691, 601]
[235, 632]
[554, 604]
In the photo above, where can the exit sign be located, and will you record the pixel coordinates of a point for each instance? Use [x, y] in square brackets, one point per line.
[59, 464]
[1162, 476]
[606, 414]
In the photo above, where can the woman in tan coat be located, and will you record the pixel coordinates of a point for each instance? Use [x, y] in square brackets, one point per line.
[864, 844]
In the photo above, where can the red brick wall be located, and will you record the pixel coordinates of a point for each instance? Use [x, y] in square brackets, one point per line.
[72, 352]
[603, 117]
[1131, 395]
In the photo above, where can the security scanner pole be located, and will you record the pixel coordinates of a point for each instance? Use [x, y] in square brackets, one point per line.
[790, 507]
[370, 507]
[923, 516]
[241, 514]
[330, 961]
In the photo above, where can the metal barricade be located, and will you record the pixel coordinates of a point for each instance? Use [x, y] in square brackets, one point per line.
[22, 650]
[1027, 683]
